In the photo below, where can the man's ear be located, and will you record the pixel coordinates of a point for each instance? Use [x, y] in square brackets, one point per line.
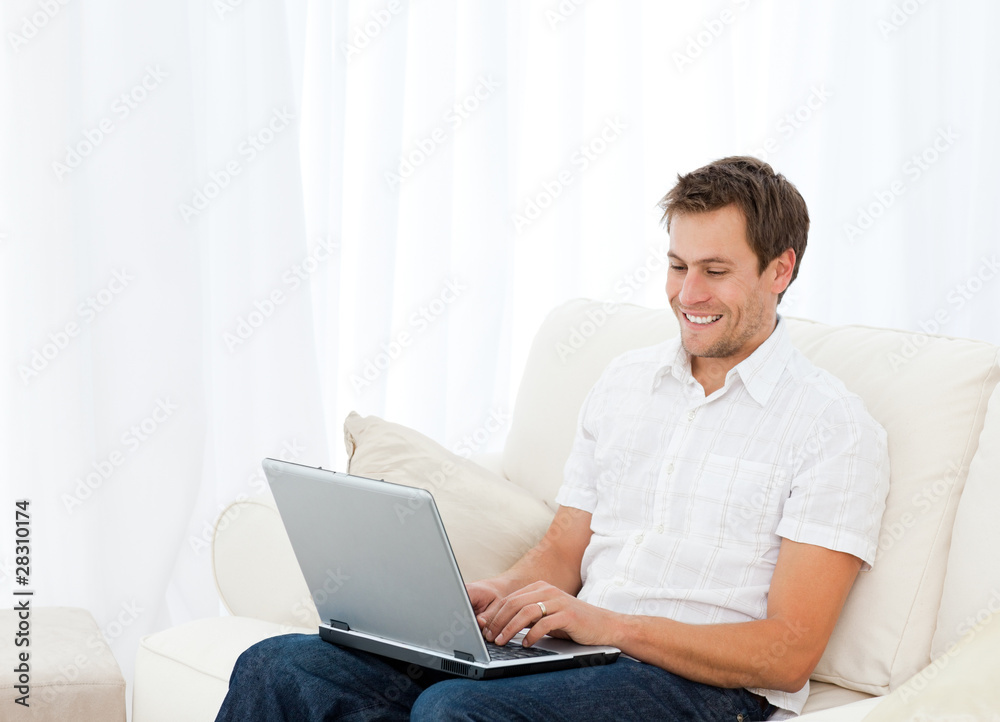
[782, 268]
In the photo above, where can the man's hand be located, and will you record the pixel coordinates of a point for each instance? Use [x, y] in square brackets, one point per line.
[565, 616]
[548, 573]
[483, 594]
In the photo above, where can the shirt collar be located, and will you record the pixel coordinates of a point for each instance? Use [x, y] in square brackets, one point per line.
[760, 372]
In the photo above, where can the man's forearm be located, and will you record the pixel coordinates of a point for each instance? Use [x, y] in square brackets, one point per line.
[808, 589]
[768, 653]
[540, 565]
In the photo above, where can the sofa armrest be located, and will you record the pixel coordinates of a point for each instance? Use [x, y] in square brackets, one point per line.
[255, 570]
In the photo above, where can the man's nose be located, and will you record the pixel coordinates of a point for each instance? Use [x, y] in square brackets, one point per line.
[694, 290]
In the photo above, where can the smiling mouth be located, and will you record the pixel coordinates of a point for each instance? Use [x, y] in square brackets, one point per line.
[702, 320]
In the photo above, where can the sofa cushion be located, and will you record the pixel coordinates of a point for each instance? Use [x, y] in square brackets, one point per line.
[823, 695]
[491, 522]
[183, 673]
[928, 392]
[959, 685]
[850, 712]
[972, 582]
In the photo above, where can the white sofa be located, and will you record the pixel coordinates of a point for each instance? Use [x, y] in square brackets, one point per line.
[931, 595]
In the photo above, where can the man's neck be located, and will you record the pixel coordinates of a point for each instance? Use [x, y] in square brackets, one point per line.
[711, 372]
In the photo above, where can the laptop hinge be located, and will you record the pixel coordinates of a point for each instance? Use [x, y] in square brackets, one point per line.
[465, 656]
[340, 625]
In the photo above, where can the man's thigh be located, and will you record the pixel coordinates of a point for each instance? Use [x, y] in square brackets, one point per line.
[625, 690]
[301, 677]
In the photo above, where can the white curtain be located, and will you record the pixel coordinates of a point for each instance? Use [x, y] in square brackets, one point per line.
[153, 350]
[225, 224]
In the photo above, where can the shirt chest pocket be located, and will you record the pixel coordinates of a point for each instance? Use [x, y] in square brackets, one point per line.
[735, 501]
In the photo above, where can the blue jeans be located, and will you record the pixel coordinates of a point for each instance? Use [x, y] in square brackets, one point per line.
[300, 677]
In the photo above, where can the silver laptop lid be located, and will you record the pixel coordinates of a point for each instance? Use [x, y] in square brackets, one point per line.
[376, 558]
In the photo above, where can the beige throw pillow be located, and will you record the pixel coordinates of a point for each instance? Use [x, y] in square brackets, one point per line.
[490, 522]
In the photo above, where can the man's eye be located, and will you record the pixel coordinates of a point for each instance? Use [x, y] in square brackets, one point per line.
[716, 273]
[675, 267]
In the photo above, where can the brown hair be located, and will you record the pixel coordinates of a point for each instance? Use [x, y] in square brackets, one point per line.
[775, 212]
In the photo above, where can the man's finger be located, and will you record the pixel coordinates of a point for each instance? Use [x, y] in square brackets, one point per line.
[546, 625]
[529, 615]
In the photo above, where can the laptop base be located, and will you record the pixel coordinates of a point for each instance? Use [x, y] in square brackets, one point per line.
[457, 667]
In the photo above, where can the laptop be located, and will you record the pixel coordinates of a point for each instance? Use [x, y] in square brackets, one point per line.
[377, 560]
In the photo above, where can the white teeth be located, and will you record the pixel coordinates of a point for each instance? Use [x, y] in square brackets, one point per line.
[702, 319]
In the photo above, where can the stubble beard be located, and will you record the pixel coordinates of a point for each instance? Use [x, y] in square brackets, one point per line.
[728, 344]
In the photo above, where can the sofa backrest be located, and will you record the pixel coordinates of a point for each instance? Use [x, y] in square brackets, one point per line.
[972, 583]
[929, 392]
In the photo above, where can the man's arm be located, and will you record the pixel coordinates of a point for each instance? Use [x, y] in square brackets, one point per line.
[808, 590]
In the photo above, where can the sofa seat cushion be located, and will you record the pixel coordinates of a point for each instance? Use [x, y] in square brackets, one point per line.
[823, 695]
[851, 712]
[183, 673]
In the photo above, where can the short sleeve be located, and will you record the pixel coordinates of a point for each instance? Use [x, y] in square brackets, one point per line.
[839, 487]
[579, 487]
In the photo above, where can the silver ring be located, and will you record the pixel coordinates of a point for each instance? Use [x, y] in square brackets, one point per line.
[542, 607]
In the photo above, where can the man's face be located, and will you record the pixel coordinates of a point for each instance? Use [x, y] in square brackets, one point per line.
[724, 307]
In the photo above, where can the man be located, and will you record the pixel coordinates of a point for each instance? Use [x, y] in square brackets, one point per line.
[721, 496]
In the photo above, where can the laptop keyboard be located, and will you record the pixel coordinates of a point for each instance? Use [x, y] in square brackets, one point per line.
[514, 651]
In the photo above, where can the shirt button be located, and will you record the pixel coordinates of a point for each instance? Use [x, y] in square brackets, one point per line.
[619, 582]
[691, 415]
[670, 468]
[659, 529]
[638, 539]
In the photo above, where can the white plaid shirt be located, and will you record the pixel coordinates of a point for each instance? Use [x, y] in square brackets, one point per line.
[691, 496]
